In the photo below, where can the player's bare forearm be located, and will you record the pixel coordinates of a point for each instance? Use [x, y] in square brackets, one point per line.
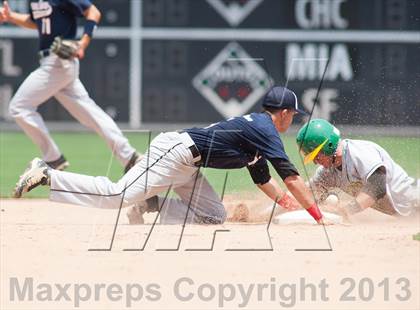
[84, 41]
[272, 189]
[295, 185]
[361, 202]
[299, 190]
[92, 13]
[22, 20]
[18, 19]
[373, 190]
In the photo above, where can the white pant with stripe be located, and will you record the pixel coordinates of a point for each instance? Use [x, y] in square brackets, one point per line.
[60, 78]
[168, 164]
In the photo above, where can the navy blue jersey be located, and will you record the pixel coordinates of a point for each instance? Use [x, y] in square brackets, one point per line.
[56, 18]
[236, 142]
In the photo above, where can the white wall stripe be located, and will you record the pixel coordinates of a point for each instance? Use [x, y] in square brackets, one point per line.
[207, 34]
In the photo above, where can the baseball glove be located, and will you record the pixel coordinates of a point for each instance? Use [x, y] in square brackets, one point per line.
[65, 49]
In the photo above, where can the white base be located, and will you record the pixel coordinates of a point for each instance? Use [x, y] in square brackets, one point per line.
[303, 217]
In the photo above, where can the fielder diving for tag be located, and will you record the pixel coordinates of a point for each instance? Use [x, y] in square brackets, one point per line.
[58, 76]
[173, 161]
[362, 169]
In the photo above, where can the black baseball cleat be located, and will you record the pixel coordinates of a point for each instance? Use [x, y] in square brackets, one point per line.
[60, 164]
[135, 158]
[36, 174]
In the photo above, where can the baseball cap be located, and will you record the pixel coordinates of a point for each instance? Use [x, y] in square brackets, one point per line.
[279, 97]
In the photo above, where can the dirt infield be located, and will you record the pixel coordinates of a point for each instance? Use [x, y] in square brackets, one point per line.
[47, 245]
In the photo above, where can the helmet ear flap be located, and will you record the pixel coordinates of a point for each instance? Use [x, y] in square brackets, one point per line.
[330, 145]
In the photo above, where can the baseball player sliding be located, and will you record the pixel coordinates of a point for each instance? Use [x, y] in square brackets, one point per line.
[362, 169]
[173, 161]
[58, 76]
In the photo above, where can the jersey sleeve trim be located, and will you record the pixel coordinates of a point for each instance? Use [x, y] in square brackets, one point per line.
[373, 170]
[284, 167]
[259, 172]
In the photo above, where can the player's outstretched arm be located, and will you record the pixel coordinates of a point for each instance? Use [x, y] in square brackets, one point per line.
[19, 19]
[273, 190]
[373, 190]
[92, 16]
[303, 195]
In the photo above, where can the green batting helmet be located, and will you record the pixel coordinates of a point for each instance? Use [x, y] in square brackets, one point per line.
[317, 136]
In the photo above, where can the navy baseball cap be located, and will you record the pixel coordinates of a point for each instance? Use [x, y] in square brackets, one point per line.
[281, 98]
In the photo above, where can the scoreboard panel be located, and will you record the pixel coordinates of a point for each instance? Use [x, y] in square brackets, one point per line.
[115, 13]
[372, 84]
[367, 83]
[283, 14]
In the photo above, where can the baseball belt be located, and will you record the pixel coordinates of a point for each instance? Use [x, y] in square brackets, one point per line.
[44, 53]
[189, 143]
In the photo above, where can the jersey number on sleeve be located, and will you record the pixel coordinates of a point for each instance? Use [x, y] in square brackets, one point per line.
[46, 26]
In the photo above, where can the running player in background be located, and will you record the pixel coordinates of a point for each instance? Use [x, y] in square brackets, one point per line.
[59, 78]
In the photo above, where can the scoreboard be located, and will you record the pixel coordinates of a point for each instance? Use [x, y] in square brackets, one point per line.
[197, 61]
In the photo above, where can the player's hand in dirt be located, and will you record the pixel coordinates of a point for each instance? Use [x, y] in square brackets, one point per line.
[5, 13]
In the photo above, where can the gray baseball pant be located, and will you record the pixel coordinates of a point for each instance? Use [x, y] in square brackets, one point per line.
[60, 78]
